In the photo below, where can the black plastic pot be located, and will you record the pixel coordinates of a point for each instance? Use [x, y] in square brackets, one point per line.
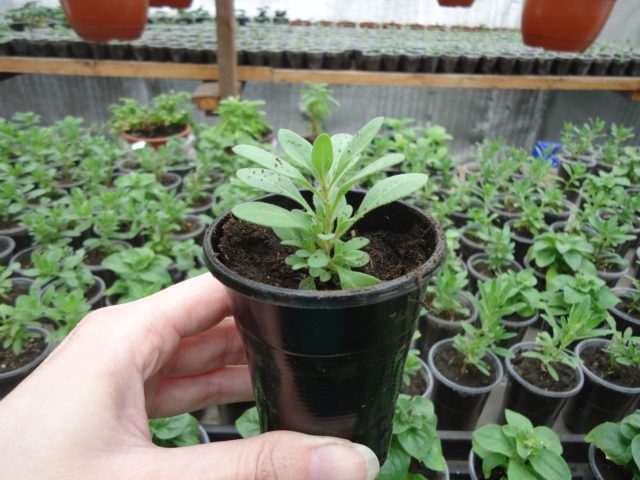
[599, 400]
[171, 181]
[469, 246]
[104, 273]
[519, 326]
[205, 207]
[476, 276]
[604, 469]
[196, 234]
[475, 466]
[202, 435]
[19, 235]
[10, 380]
[433, 328]
[503, 215]
[612, 278]
[542, 407]
[638, 263]
[458, 407]
[7, 247]
[294, 59]
[20, 257]
[522, 244]
[330, 362]
[623, 319]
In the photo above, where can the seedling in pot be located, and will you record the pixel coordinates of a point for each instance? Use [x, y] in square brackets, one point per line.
[241, 121]
[6, 283]
[168, 111]
[499, 248]
[531, 221]
[553, 348]
[610, 233]
[623, 350]
[565, 291]
[519, 450]
[64, 308]
[611, 151]
[620, 442]
[317, 103]
[443, 293]
[16, 324]
[581, 140]
[171, 432]
[318, 232]
[412, 364]
[523, 298]
[561, 252]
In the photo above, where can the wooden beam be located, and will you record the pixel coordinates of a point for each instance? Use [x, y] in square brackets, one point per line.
[227, 55]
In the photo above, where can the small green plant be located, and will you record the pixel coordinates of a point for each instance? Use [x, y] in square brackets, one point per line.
[443, 293]
[241, 121]
[248, 424]
[168, 110]
[65, 308]
[561, 252]
[531, 220]
[6, 283]
[56, 262]
[611, 151]
[414, 437]
[412, 364]
[141, 273]
[620, 442]
[623, 349]
[16, 323]
[318, 232]
[499, 248]
[581, 140]
[170, 432]
[520, 450]
[318, 102]
[610, 233]
[524, 292]
[553, 348]
[565, 291]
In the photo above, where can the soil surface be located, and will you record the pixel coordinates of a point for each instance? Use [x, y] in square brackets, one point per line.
[626, 307]
[200, 202]
[255, 253]
[483, 268]
[598, 361]
[532, 371]
[450, 362]
[523, 233]
[158, 132]
[167, 180]
[31, 349]
[417, 387]
[610, 470]
[95, 257]
[8, 224]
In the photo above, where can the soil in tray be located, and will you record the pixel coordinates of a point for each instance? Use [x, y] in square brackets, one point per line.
[10, 223]
[450, 363]
[31, 349]
[523, 233]
[532, 371]
[158, 132]
[625, 306]
[255, 253]
[417, 386]
[596, 360]
[610, 470]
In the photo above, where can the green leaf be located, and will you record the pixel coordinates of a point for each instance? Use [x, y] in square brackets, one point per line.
[519, 471]
[322, 156]
[549, 439]
[248, 424]
[491, 461]
[268, 215]
[573, 259]
[376, 166]
[492, 439]
[297, 148]
[518, 420]
[391, 189]
[635, 450]
[548, 464]
[318, 259]
[272, 182]
[359, 142]
[307, 283]
[397, 464]
[268, 160]
[351, 279]
[355, 244]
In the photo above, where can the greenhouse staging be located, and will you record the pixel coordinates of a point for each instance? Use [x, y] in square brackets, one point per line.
[341, 240]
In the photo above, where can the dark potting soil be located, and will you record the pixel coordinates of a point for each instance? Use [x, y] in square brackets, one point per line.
[450, 363]
[483, 268]
[95, 257]
[598, 361]
[255, 253]
[524, 233]
[31, 349]
[188, 225]
[417, 386]
[446, 315]
[158, 132]
[532, 371]
[14, 293]
[610, 470]
[167, 180]
[200, 202]
[9, 223]
[628, 307]
[471, 235]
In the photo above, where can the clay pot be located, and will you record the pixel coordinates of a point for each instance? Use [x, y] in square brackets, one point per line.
[567, 25]
[456, 3]
[170, 3]
[156, 142]
[103, 20]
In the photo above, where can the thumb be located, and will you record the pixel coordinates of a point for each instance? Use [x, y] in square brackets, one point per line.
[271, 456]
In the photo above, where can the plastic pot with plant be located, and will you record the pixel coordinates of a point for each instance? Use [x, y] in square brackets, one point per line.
[474, 233]
[613, 147]
[12, 287]
[609, 234]
[517, 450]
[324, 285]
[544, 374]
[611, 381]
[579, 144]
[498, 258]
[613, 450]
[241, 121]
[169, 115]
[521, 301]
[317, 106]
[526, 228]
[416, 377]
[466, 368]
[627, 312]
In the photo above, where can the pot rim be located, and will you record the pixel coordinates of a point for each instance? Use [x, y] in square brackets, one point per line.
[156, 141]
[514, 234]
[533, 388]
[11, 245]
[592, 375]
[471, 319]
[329, 299]
[36, 361]
[427, 376]
[620, 292]
[454, 385]
[476, 257]
[203, 436]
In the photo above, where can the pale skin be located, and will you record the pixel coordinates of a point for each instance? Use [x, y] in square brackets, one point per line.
[83, 413]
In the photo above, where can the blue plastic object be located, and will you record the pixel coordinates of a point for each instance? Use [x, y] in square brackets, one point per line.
[548, 150]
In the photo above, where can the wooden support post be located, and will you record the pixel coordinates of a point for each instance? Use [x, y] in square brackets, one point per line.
[227, 57]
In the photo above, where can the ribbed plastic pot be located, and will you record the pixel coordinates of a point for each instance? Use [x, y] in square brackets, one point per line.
[7, 246]
[10, 380]
[468, 246]
[433, 328]
[599, 400]
[623, 319]
[458, 407]
[330, 362]
[541, 406]
[569, 25]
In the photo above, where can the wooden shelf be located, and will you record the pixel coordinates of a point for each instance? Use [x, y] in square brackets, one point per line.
[191, 71]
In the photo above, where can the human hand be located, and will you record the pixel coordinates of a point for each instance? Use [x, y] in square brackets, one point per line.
[83, 413]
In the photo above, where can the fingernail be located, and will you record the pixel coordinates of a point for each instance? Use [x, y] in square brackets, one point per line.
[344, 462]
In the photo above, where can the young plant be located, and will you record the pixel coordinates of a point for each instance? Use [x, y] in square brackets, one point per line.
[523, 294]
[581, 140]
[561, 252]
[171, 432]
[241, 121]
[56, 262]
[141, 272]
[16, 323]
[553, 348]
[443, 292]
[6, 283]
[521, 450]
[414, 437]
[317, 102]
[65, 308]
[623, 349]
[499, 248]
[412, 364]
[168, 110]
[620, 442]
[611, 151]
[318, 232]
[565, 291]
[610, 233]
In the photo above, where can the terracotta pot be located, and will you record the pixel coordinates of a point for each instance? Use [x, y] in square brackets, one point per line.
[170, 3]
[156, 142]
[103, 20]
[567, 25]
[455, 3]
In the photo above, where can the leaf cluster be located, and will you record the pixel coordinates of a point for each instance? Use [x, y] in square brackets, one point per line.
[170, 432]
[167, 110]
[623, 349]
[561, 252]
[317, 102]
[443, 291]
